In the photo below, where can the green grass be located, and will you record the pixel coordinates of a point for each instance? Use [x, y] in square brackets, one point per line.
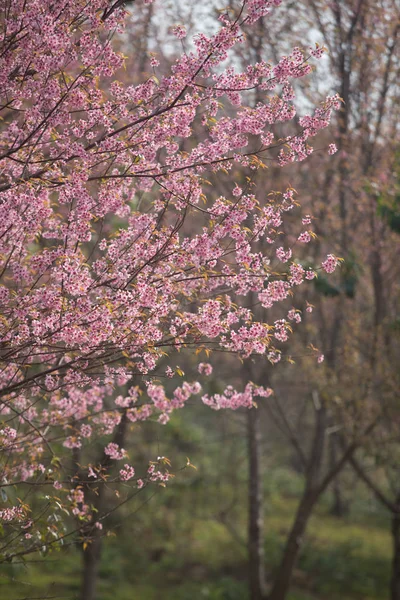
[338, 559]
[197, 558]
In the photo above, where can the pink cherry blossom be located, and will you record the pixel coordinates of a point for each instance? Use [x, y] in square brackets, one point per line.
[205, 369]
[332, 149]
[329, 265]
[126, 473]
[91, 309]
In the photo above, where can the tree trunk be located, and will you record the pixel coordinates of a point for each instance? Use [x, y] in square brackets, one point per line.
[285, 571]
[338, 508]
[395, 579]
[256, 518]
[91, 563]
[92, 534]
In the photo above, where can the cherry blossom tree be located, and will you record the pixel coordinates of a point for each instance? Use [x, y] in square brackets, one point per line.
[101, 277]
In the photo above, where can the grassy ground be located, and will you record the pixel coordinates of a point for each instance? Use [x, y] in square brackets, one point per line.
[340, 560]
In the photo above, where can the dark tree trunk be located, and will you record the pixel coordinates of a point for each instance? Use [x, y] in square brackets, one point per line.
[92, 534]
[285, 571]
[90, 568]
[310, 496]
[256, 517]
[338, 508]
[395, 578]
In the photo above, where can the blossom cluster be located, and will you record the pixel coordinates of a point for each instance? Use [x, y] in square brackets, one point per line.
[87, 308]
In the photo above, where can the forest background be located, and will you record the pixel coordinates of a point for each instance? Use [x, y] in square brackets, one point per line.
[298, 498]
